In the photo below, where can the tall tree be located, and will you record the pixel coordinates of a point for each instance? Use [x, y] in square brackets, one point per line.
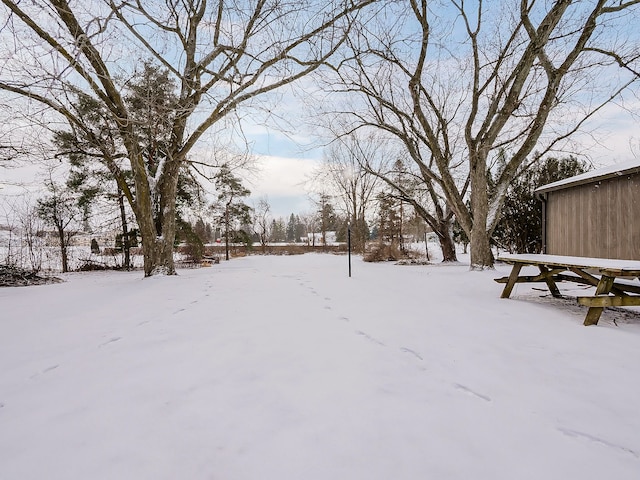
[222, 55]
[300, 229]
[230, 209]
[59, 209]
[327, 218]
[150, 97]
[411, 187]
[262, 224]
[203, 230]
[346, 168]
[291, 229]
[278, 231]
[389, 218]
[459, 83]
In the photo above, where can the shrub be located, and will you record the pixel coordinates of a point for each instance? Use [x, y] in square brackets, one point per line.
[383, 252]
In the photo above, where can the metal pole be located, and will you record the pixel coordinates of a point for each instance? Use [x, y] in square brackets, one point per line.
[349, 247]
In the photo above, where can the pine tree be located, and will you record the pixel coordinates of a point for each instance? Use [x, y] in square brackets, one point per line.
[278, 231]
[520, 228]
[291, 229]
[230, 209]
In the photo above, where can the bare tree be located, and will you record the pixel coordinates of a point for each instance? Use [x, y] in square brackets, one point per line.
[407, 184]
[460, 83]
[262, 221]
[222, 55]
[309, 222]
[31, 230]
[326, 218]
[59, 209]
[22, 241]
[344, 169]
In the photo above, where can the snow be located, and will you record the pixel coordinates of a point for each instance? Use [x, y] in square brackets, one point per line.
[593, 175]
[600, 263]
[285, 368]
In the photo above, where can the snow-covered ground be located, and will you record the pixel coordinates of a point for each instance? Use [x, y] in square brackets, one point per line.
[285, 368]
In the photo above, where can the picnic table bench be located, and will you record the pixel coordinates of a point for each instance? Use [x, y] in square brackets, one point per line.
[598, 272]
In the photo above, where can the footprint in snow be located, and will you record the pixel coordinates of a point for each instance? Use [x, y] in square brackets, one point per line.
[586, 436]
[468, 391]
[370, 338]
[111, 340]
[46, 370]
[412, 352]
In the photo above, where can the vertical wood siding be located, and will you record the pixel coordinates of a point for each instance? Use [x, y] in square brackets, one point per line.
[600, 219]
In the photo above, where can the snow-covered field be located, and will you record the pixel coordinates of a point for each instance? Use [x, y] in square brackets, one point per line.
[285, 368]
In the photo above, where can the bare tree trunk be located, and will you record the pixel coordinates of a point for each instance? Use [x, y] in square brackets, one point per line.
[226, 233]
[442, 224]
[126, 242]
[448, 246]
[168, 214]
[157, 245]
[158, 233]
[63, 249]
[481, 254]
[149, 245]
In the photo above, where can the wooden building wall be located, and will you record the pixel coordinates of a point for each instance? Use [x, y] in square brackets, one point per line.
[600, 219]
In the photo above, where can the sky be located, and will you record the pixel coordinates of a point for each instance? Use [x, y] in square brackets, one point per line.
[283, 182]
[285, 163]
[283, 367]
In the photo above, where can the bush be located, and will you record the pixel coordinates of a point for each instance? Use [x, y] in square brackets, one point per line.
[384, 252]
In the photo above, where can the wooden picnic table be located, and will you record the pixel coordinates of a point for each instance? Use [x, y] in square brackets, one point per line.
[598, 272]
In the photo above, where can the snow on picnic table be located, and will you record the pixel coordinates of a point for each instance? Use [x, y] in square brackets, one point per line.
[564, 260]
[285, 368]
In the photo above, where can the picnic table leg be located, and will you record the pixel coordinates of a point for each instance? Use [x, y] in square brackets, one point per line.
[603, 288]
[513, 276]
[553, 288]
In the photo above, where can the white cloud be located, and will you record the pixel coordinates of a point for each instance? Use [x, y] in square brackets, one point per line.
[282, 176]
[615, 135]
[282, 180]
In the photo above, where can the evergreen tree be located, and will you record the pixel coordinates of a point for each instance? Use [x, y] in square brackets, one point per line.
[520, 229]
[98, 167]
[291, 229]
[230, 209]
[300, 230]
[278, 231]
[327, 217]
[202, 230]
[389, 220]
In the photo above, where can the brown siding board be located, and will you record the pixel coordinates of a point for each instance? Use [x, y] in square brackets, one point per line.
[634, 213]
[601, 219]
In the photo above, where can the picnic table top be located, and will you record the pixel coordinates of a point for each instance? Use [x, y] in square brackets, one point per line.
[620, 267]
